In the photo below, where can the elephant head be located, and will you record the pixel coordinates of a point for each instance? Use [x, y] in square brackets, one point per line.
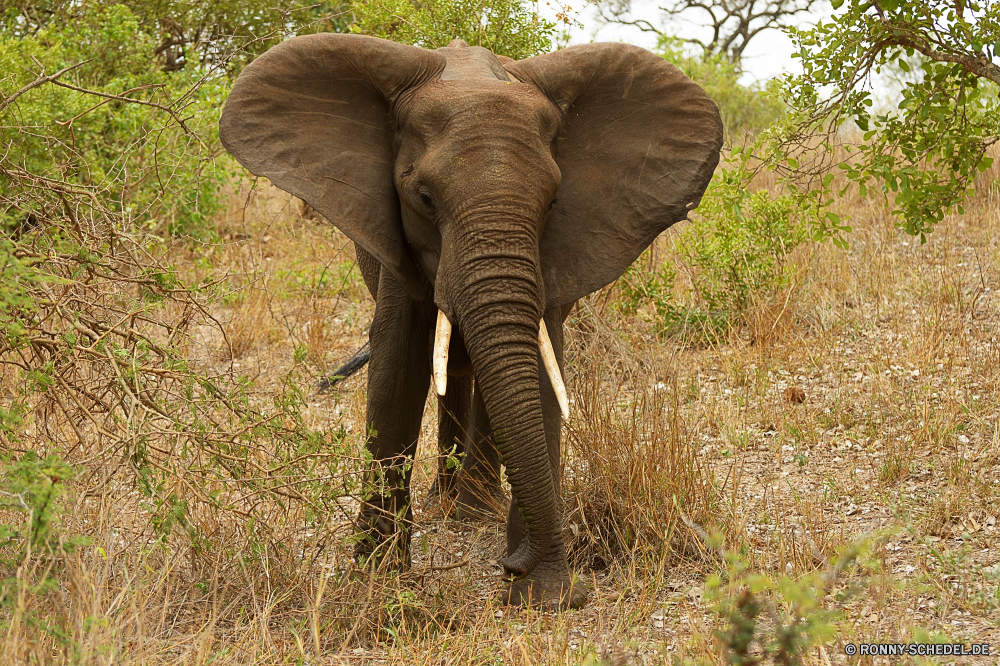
[501, 190]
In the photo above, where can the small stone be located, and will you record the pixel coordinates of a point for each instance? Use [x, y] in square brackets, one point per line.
[498, 614]
[795, 395]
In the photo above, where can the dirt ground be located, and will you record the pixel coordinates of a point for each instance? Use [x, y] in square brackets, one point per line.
[858, 408]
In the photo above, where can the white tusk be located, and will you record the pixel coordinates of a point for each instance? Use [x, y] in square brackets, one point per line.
[442, 338]
[552, 368]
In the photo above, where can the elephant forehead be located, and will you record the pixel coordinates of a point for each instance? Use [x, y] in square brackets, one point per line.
[487, 103]
[471, 62]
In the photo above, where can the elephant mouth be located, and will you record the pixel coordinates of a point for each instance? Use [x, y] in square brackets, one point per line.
[442, 340]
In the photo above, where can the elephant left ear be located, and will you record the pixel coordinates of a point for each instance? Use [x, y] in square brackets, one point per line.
[637, 146]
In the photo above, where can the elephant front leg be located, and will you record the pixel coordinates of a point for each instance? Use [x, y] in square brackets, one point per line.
[398, 379]
[551, 583]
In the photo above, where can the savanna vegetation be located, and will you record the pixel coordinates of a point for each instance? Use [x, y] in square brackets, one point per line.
[784, 435]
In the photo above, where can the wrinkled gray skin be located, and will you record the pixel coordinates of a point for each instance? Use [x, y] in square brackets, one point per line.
[499, 193]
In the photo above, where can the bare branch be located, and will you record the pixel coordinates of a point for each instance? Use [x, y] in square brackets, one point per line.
[41, 80]
[122, 98]
[733, 24]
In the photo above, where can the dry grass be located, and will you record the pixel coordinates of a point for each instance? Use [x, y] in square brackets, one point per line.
[895, 346]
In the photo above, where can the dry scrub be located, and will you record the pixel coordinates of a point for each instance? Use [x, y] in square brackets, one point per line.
[683, 461]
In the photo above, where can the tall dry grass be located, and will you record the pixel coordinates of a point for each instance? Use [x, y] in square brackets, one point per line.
[671, 446]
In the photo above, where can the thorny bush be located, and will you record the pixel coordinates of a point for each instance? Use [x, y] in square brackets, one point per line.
[100, 151]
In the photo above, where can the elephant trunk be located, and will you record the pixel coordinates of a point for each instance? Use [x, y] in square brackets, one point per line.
[499, 317]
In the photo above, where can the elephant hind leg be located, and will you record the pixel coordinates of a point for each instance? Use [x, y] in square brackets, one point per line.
[480, 491]
[454, 422]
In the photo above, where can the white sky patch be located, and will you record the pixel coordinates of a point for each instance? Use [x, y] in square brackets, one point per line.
[768, 55]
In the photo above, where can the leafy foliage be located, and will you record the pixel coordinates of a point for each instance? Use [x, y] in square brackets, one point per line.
[783, 615]
[739, 244]
[100, 125]
[734, 252]
[190, 34]
[924, 154]
[746, 110]
[101, 151]
[33, 487]
[506, 27]
[31, 503]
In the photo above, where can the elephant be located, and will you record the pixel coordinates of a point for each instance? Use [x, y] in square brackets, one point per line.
[485, 196]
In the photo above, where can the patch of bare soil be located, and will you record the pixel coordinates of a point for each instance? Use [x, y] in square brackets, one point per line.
[861, 406]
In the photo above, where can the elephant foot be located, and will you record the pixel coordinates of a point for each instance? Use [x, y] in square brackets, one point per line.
[480, 500]
[556, 593]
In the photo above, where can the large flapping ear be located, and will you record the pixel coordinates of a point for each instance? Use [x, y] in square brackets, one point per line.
[638, 144]
[313, 115]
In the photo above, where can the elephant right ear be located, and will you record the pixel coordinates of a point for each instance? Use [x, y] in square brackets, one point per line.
[314, 116]
[637, 146]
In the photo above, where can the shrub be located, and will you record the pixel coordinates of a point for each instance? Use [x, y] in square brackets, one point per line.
[506, 27]
[734, 253]
[737, 246]
[142, 140]
[93, 326]
[31, 501]
[778, 618]
[746, 110]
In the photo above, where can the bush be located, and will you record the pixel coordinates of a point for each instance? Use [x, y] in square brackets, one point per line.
[192, 35]
[142, 140]
[746, 110]
[778, 618]
[734, 253]
[506, 27]
[93, 326]
[30, 543]
[737, 246]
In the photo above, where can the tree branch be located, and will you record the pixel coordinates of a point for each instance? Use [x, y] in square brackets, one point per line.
[977, 64]
[41, 80]
[173, 114]
[732, 24]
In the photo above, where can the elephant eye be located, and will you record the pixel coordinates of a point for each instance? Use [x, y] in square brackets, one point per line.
[425, 198]
[553, 204]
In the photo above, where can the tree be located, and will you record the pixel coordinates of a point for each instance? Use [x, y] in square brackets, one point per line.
[733, 23]
[924, 154]
[746, 110]
[506, 27]
[210, 32]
